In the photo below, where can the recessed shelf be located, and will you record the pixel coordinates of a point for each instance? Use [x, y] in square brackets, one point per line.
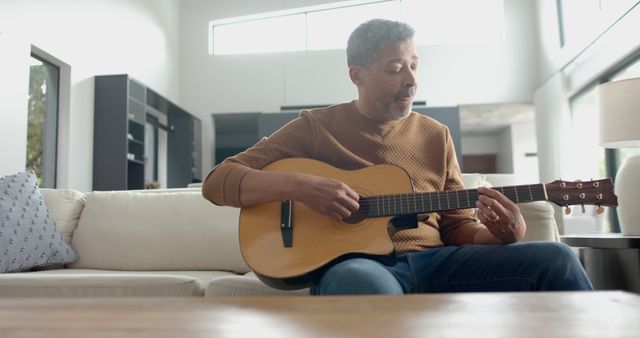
[122, 105]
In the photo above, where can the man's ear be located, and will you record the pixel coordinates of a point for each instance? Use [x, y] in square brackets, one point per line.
[356, 73]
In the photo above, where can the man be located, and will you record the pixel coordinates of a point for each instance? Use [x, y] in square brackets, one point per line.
[449, 251]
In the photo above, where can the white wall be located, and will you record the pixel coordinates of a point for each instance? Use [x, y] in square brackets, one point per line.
[479, 144]
[523, 141]
[510, 144]
[139, 37]
[163, 43]
[505, 151]
[13, 102]
[449, 75]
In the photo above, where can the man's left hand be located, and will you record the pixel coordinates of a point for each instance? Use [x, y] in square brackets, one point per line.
[500, 215]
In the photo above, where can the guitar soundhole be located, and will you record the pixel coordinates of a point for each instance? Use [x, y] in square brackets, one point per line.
[360, 214]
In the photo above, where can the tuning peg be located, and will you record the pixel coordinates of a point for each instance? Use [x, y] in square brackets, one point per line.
[599, 210]
[583, 209]
[567, 210]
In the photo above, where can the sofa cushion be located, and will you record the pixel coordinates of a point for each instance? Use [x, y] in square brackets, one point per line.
[246, 285]
[28, 234]
[52, 283]
[65, 206]
[162, 230]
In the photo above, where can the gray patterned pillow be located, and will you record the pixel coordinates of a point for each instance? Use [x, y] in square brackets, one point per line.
[28, 235]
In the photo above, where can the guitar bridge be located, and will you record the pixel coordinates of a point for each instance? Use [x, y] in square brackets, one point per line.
[286, 223]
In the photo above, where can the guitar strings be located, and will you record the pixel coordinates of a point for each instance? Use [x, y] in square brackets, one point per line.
[415, 202]
[394, 204]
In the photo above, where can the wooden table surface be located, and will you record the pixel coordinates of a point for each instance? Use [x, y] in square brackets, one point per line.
[561, 314]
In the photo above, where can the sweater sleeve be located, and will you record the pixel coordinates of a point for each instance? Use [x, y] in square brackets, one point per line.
[457, 226]
[295, 139]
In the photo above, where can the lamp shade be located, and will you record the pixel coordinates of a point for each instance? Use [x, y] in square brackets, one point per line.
[619, 109]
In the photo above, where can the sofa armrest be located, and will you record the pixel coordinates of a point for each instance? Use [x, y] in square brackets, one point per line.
[539, 216]
[541, 223]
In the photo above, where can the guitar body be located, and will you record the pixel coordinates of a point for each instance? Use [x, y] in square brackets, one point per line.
[317, 239]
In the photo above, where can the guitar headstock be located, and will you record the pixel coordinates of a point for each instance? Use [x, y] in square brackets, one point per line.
[599, 192]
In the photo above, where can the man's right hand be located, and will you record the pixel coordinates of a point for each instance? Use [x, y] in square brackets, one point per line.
[326, 196]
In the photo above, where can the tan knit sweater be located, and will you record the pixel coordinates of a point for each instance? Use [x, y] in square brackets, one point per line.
[344, 138]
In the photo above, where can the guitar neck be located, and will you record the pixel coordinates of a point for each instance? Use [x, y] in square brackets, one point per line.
[417, 203]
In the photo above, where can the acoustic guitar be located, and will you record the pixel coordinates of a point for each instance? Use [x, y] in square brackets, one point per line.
[287, 244]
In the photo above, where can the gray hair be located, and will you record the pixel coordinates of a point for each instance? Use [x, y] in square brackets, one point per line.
[365, 41]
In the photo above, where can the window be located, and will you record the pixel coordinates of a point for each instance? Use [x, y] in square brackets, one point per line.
[279, 34]
[582, 20]
[42, 129]
[330, 29]
[579, 20]
[328, 26]
[589, 159]
[455, 21]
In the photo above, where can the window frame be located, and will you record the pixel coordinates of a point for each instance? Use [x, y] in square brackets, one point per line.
[62, 144]
[50, 128]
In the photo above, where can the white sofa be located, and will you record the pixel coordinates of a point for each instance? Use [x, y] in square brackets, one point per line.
[165, 243]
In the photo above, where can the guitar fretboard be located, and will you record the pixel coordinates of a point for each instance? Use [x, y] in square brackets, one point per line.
[416, 203]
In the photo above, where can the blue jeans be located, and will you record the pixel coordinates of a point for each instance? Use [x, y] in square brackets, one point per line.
[530, 266]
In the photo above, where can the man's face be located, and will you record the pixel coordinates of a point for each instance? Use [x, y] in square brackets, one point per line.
[386, 88]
